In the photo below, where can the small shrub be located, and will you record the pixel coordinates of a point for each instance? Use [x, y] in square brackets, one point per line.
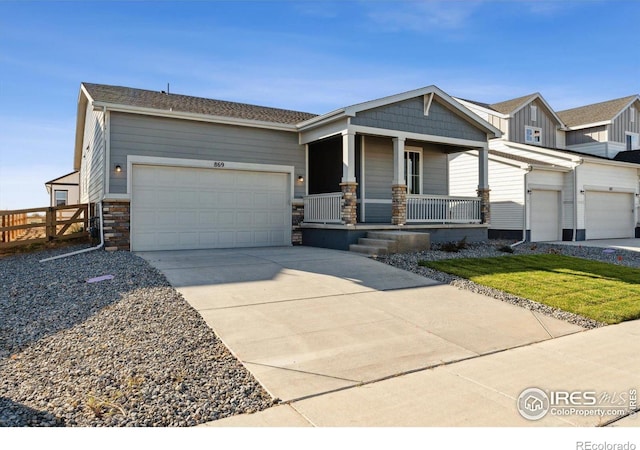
[506, 249]
[450, 247]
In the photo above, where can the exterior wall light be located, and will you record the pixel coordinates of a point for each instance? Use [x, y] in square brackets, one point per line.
[300, 179]
[118, 168]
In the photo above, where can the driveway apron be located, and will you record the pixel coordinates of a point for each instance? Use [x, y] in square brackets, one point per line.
[308, 321]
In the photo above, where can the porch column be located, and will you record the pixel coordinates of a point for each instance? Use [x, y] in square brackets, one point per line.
[399, 185]
[483, 185]
[349, 182]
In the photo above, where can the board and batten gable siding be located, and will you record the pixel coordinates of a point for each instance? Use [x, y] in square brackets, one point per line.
[544, 121]
[622, 124]
[408, 116]
[140, 135]
[92, 170]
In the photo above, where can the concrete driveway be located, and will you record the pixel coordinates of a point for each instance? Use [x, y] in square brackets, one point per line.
[309, 321]
[632, 245]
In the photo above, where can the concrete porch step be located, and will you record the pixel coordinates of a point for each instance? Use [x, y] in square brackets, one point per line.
[368, 249]
[387, 242]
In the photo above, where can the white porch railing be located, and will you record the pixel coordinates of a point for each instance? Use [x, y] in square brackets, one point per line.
[442, 209]
[323, 208]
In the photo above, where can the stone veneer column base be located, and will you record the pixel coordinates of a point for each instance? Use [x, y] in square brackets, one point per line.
[116, 220]
[399, 204]
[349, 203]
[485, 205]
[297, 217]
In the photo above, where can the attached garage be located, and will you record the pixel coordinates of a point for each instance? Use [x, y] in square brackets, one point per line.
[545, 215]
[176, 207]
[609, 215]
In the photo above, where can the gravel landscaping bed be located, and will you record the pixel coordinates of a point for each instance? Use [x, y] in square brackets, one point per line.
[409, 261]
[127, 351]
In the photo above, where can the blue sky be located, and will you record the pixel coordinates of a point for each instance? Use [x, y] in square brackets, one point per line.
[312, 56]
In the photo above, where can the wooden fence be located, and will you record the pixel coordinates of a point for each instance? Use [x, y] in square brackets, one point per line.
[27, 226]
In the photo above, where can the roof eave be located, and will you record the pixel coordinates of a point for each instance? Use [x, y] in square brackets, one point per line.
[83, 100]
[226, 120]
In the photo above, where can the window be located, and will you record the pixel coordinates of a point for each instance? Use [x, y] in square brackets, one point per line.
[412, 171]
[61, 197]
[633, 141]
[534, 113]
[532, 135]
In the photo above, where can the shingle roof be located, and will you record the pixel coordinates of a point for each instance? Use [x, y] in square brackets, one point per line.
[183, 103]
[632, 156]
[509, 106]
[597, 112]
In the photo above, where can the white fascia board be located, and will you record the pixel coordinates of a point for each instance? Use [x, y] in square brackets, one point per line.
[196, 117]
[83, 100]
[323, 130]
[543, 151]
[418, 136]
[551, 168]
[471, 106]
[333, 115]
[589, 125]
[503, 160]
[610, 162]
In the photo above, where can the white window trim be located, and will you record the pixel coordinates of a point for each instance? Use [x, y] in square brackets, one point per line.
[634, 137]
[632, 114]
[66, 197]
[534, 113]
[533, 130]
[419, 150]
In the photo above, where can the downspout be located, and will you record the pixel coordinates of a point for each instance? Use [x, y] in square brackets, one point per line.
[84, 250]
[524, 210]
[575, 199]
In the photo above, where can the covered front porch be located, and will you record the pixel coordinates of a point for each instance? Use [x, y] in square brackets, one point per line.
[385, 163]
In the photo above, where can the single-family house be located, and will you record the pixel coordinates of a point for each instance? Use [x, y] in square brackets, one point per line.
[64, 190]
[180, 172]
[544, 185]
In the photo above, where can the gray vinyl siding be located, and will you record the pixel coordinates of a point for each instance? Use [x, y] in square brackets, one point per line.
[622, 124]
[133, 134]
[587, 135]
[92, 168]
[378, 177]
[435, 171]
[544, 121]
[409, 116]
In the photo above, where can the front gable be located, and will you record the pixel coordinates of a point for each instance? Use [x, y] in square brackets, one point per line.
[627, 122]
[409, 116]
[535, 123]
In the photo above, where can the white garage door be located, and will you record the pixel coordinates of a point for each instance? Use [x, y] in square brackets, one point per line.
[191, 208]
[545, 215]
[609, 215]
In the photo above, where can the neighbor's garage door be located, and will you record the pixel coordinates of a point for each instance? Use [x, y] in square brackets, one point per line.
[609, 215]
[191, 208]
[545, 215]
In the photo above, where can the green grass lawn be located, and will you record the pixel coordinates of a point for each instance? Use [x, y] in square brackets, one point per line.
[604, 292]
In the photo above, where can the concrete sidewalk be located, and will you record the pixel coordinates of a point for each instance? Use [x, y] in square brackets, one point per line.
[481, 391]
[317, 327]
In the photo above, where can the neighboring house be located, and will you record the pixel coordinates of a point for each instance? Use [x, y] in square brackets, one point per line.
[542, 189]
[64, 190]
[180, 172]
[604, 129]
